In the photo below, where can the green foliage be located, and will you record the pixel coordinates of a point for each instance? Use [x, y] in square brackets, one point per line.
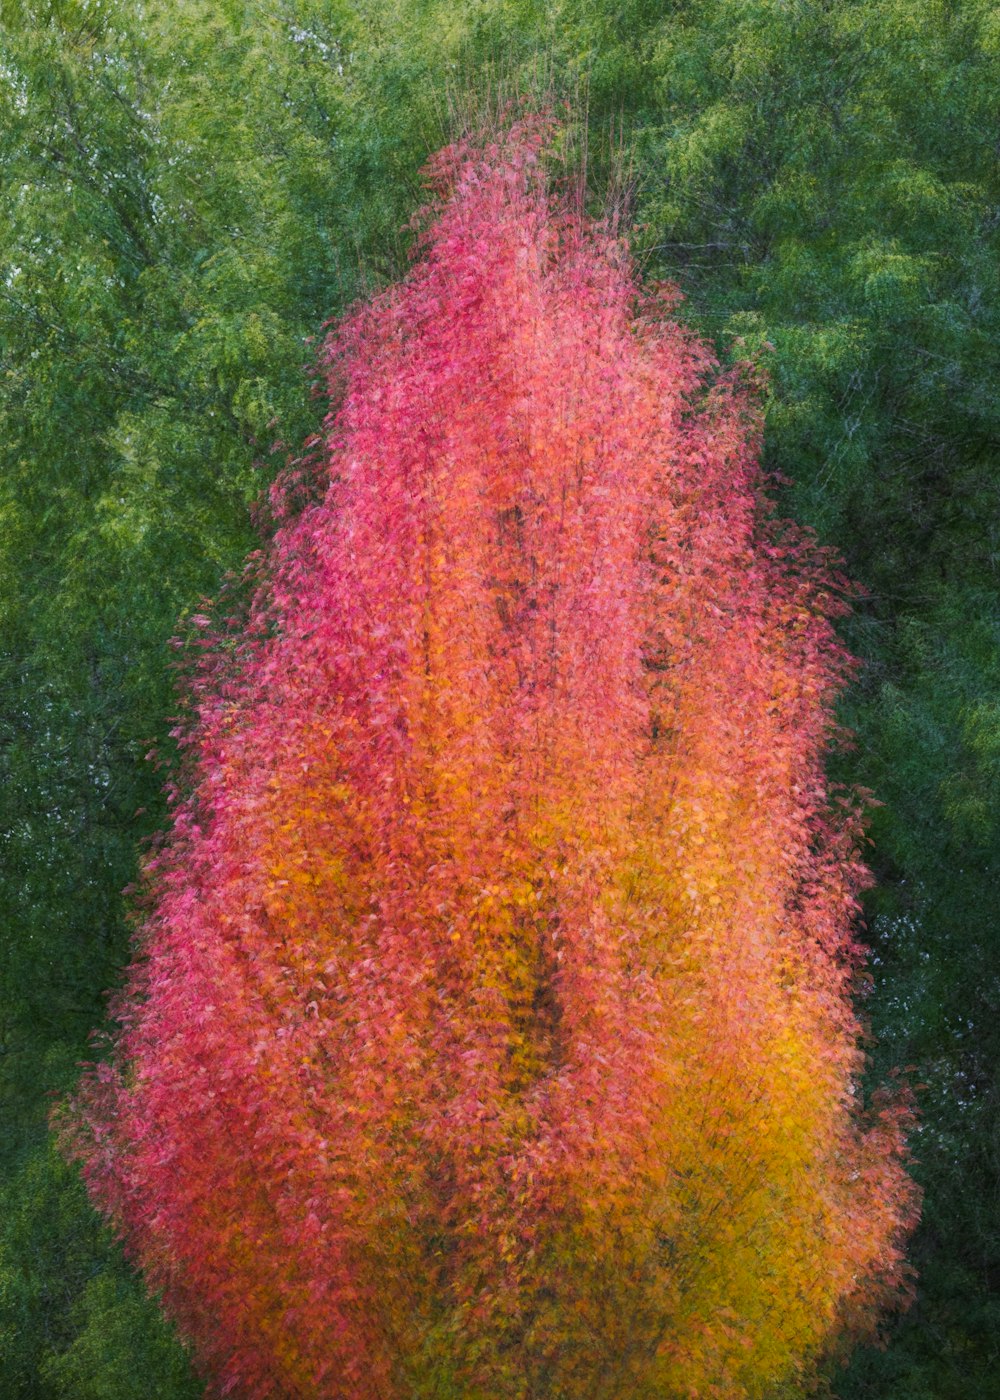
[103, 1338]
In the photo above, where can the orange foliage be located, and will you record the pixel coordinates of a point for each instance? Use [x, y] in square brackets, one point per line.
[490, 1034]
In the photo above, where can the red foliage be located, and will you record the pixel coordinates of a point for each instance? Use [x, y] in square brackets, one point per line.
[490, 1033]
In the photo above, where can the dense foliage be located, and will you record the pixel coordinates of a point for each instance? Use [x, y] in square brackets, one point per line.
[188, 192]
[507, 934]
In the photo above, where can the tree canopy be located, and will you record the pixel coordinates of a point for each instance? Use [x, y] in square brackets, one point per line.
[189, 192]
[508, 925]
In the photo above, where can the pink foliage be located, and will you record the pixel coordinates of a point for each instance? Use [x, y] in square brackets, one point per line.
[490, 1031]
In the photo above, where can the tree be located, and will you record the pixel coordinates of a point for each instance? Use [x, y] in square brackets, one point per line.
[188, 191]
[490, 1029]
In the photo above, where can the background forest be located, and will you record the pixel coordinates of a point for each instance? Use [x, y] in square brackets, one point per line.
[189, 192]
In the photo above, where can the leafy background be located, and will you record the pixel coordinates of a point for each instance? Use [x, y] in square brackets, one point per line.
[187, 193]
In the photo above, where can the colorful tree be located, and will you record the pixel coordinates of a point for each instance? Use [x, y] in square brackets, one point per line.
[490, 1032]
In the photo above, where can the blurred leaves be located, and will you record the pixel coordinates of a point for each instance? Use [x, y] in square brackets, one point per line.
[188, 192]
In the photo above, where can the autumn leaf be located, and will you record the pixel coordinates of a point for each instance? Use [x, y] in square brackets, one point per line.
[490, 1030]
